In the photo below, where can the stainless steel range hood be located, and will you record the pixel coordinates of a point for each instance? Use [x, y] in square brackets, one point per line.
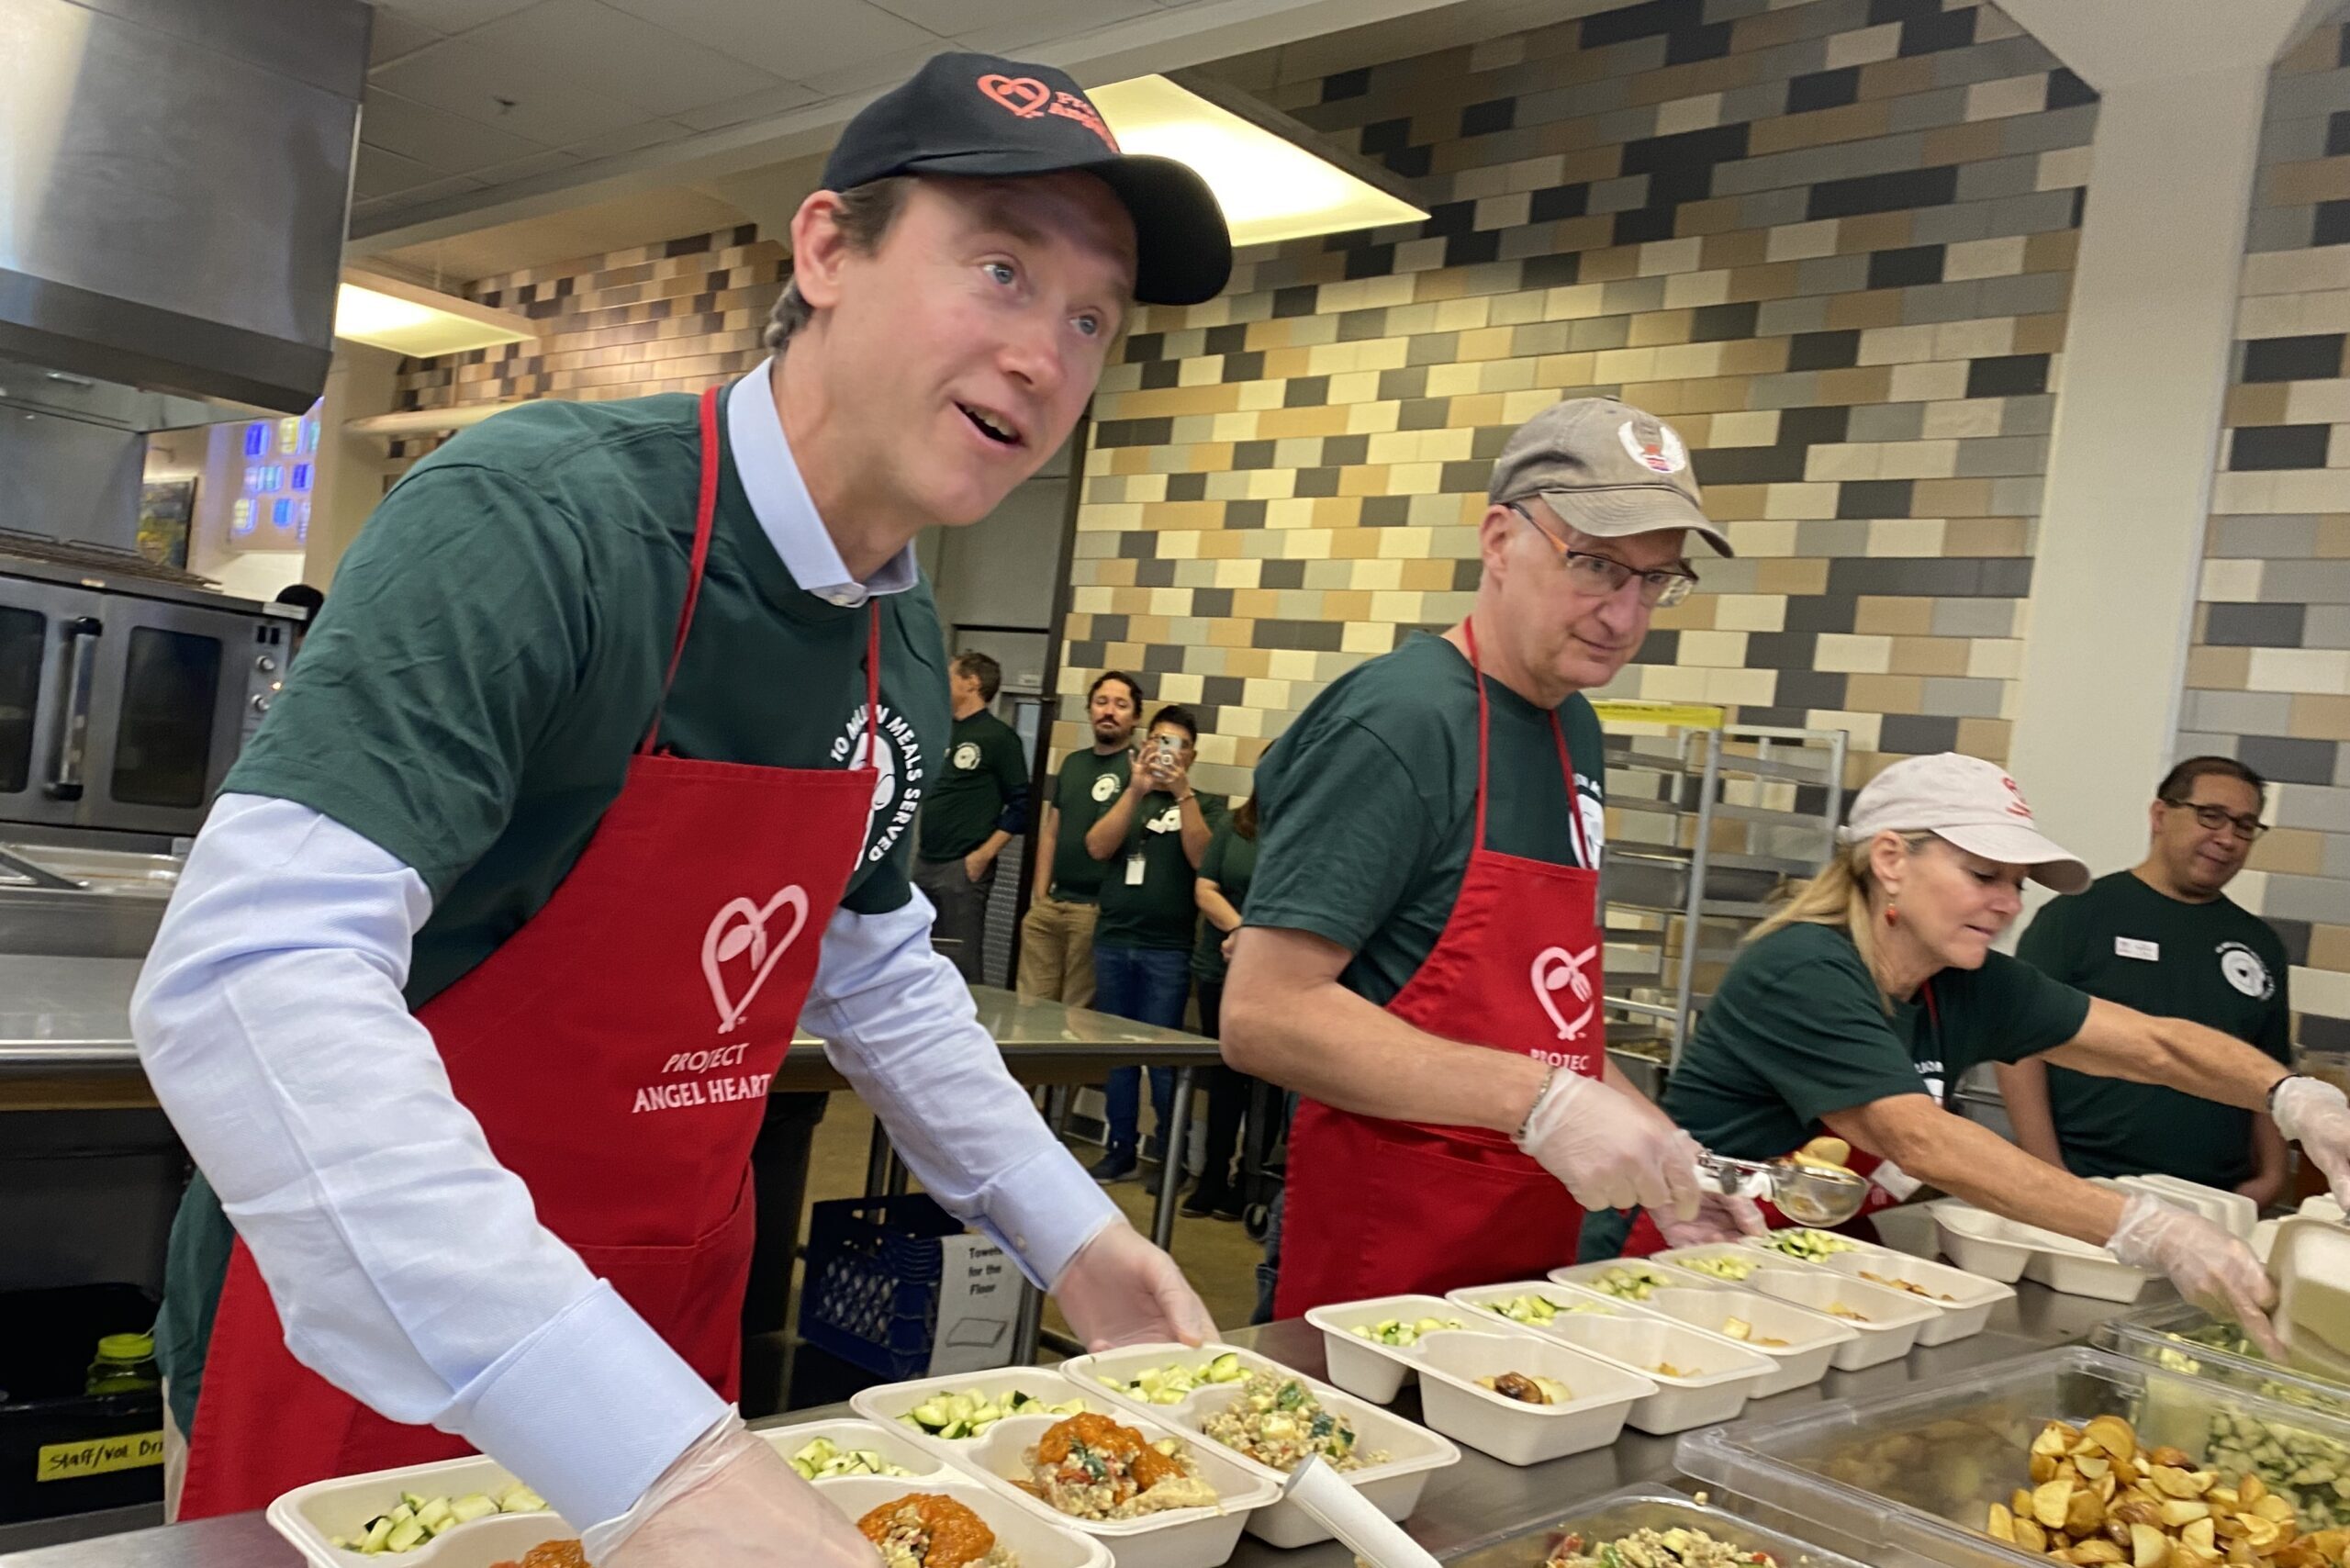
[175, 183]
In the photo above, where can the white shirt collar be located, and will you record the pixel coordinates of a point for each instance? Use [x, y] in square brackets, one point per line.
[787, 512]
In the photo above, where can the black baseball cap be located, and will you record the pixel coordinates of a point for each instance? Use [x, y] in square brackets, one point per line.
[982, 116]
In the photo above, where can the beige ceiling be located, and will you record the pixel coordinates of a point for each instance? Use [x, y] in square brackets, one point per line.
[501, 134]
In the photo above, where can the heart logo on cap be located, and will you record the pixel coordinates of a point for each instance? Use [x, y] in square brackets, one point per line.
[1023, 95]
[740, 930]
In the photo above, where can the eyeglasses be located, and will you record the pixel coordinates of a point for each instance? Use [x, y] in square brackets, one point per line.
[1601, 576]
[2215, 817]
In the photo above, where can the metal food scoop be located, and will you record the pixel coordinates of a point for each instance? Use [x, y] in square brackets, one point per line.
[1807, 1195]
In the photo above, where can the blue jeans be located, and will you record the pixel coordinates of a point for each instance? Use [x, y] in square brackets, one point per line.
[1149, 985]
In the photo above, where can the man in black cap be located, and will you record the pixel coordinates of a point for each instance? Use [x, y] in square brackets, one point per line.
[598, 782]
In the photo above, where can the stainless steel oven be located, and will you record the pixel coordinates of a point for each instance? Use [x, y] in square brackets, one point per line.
[125, 695]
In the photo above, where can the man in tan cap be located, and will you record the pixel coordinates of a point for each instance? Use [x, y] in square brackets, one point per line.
[1422, 954]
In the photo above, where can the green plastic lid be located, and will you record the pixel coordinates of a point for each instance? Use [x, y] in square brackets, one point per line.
[125, 1347]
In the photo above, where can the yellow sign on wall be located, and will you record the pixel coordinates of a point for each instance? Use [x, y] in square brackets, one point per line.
[97, 1456]
[1675, 715]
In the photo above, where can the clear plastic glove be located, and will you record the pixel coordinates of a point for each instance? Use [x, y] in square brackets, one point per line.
[729, 1498]
[1120, 1290]
[2316, 1114]
[1611, 1149]
[1719, 1217]
[2210, 1268]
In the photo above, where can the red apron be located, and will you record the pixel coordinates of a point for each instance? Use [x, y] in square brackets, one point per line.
[1646, 1239]
[616, 1051]
[1376, 1207]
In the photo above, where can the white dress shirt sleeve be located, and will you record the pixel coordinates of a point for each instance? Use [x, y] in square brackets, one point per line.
[899, 1024]
[409, 1266]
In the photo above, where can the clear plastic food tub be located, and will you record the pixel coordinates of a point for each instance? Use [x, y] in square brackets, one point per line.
[1368, 1368]
[1965, 1314]
[1393, 1486]
[1888, 1323]
[1601, 1396]
[1178, 1538]
[1620, 1514]
[1712, 1378]
[1910, 1477]
[2182, 1337]
[1812, 1339]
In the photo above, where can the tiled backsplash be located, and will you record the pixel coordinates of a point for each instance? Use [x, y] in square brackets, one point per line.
[1832, 242]
[2268, 678]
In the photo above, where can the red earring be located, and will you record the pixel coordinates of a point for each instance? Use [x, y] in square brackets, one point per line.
[1892, 914]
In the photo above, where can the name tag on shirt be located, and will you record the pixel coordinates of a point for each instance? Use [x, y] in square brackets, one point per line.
[1134, 870]
[2133, 947]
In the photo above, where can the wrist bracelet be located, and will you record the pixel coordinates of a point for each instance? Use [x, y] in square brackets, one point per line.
[2277, 1085]
[1540, 1092]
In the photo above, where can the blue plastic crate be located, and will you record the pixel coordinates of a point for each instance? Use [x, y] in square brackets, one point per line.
[869, 1294]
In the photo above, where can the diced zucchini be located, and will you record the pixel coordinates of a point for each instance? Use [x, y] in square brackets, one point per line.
[471, 1507]
[407, 1535]
[379, 1531]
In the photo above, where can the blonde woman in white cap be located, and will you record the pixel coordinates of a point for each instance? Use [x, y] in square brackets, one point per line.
[1876, 986]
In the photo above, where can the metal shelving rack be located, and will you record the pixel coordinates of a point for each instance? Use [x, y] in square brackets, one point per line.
[1709, 824]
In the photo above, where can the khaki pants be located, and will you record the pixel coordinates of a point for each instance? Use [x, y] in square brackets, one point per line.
[1056, 953]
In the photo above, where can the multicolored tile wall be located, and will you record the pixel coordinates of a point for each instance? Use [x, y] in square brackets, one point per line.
[674, 317]
[2268, 675]
[1832, 241]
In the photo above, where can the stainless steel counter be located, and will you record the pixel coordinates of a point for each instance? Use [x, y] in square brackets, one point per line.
[71, 1016]
[1469, 1502]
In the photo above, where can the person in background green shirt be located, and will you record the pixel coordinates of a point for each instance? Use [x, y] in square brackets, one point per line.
[1222, 893]
[980, 801]
[1057, 934]
[1853, 1007]
[2163, 937]
[1150, 842]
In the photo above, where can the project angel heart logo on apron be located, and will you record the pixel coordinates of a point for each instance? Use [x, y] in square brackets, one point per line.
[740, 929]
[1557, 969]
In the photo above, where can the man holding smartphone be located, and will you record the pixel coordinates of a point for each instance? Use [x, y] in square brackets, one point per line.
[1152, 841]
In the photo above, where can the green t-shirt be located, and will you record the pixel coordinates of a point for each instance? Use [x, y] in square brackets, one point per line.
[501, 626]
[1231, 864]
[1161, 910]
[1368, 804]
[1797, 1030]
[1085, 789]
[983, 775]
[2216, 963]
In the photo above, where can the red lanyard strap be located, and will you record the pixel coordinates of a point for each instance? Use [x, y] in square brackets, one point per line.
[1566, 759]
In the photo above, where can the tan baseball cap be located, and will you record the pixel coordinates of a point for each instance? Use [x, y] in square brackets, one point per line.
[1971, 803]
[1606, 469]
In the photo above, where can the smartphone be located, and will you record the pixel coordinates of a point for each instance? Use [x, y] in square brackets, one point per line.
[1167, 747]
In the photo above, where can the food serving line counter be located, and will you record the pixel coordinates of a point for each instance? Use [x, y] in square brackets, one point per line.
[1465, 1506]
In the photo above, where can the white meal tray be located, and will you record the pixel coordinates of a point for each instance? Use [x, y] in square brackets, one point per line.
[1812, 1339]
[1979, 1242]
[1574, 1301]
[1032, 1537]
[1712, 1379]
[1757, 1259]
[1393, 1487]
[2232, 1212]
[1961, 1317]
[1588, 1275]
[1602, 1395]
[1182, 1538]
[1371, 1370]
[1887, 1328]
[311, 1517]
[2062, 1264]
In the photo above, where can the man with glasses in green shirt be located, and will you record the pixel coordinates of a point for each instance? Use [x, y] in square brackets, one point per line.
[2163, 937]
[1421, 952]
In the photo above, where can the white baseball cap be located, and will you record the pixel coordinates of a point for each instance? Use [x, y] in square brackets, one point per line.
[1969, 802]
